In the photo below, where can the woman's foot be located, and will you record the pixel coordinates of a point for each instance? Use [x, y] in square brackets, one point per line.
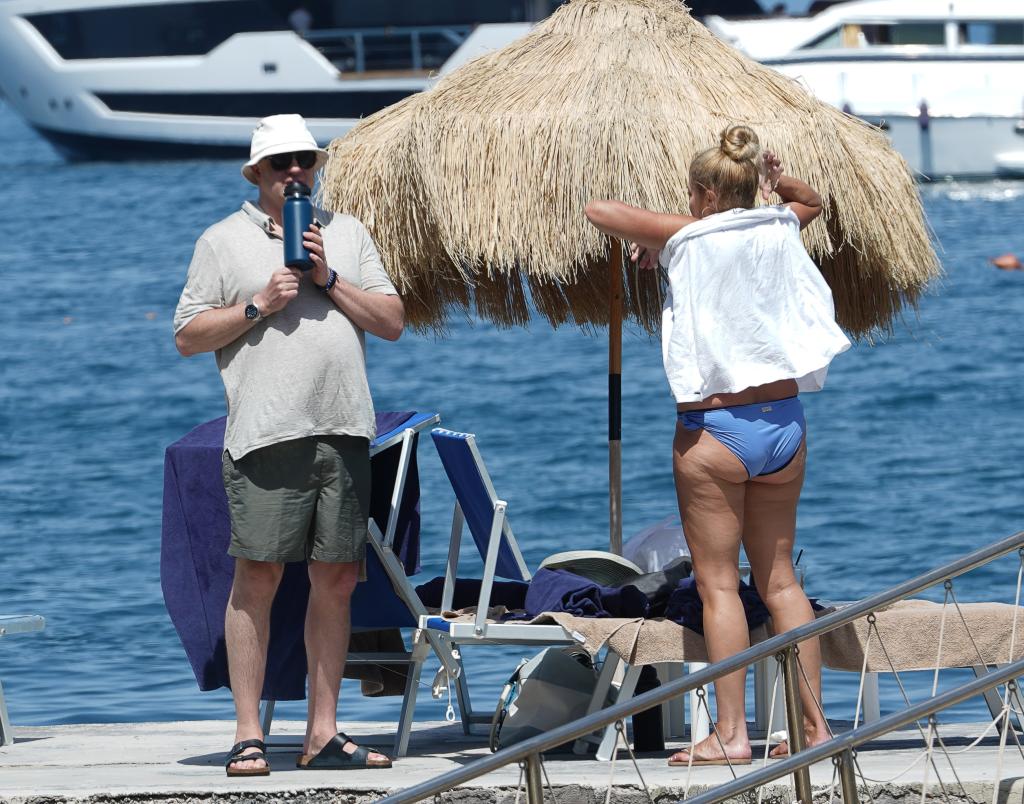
[709, 752]
[813, 735]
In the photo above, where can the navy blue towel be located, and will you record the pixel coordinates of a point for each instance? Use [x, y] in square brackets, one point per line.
[686, 608]
[510, 594]
[196, 572]
[561, 590]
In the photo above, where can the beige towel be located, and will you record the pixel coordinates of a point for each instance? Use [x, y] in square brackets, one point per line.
[909, 630]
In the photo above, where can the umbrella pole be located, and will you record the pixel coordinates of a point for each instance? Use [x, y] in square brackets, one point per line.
[615, 400]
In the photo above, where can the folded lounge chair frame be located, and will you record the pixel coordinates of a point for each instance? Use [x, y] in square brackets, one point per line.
[486, 515]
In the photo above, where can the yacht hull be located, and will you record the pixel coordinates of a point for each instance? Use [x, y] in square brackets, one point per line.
[181, 106]
[975, 147]
[944, 78]
[77, 147]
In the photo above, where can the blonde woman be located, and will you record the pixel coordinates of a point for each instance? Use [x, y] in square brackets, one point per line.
[748, 324]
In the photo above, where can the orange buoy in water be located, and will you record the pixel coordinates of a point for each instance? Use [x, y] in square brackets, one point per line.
[1007, 262]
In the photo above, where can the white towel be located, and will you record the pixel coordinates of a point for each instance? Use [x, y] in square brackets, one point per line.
[746, 306]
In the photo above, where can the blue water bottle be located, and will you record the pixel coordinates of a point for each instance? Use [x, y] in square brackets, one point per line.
[297, 216]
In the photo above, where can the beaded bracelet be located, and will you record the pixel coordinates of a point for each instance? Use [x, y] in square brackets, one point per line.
[332, 277]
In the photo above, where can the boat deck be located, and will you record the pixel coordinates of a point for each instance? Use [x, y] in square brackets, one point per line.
[179, 762]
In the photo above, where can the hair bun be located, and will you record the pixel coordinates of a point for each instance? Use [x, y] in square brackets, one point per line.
[740, 144]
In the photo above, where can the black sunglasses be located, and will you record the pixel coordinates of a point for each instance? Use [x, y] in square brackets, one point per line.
[305, 159]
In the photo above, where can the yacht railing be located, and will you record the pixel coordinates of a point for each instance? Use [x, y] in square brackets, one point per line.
[360, 50]
[784, 648]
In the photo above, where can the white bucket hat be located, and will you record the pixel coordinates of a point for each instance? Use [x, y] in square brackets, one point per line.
[606, 569]
[280, 134]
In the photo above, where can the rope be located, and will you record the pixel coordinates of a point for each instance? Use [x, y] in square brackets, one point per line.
[703, 703]
[945, 751]
[860, 772]
[1019, 711]
[872, 628]
[1003, 717]
[620, 727]
[810, 691]
[611, 764]
[544, 770]
[835, 776]
[929, 743]
[1011, 686]
[906, 699]
[693, 719]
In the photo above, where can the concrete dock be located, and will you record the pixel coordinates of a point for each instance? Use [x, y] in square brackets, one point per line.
[183, 762]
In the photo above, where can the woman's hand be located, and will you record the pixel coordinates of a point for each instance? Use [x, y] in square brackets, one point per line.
[772, 174]
[644, 257]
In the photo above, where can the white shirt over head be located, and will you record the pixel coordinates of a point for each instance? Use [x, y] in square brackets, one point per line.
[746, 306]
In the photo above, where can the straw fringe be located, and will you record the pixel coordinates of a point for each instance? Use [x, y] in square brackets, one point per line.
[474, 190]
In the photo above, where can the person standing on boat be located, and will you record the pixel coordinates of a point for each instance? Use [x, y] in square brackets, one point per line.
[748, 323]
[290, 350]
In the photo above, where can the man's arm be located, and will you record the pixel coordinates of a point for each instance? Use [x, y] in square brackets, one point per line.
[380, 314]
[214, 329]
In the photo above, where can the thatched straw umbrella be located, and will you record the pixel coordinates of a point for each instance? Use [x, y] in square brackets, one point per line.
[474, 190]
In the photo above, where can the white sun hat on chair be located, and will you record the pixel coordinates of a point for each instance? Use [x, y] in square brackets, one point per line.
[281, 134]
[606, 569]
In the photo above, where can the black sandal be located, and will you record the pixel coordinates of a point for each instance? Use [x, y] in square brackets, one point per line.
[334, 757]
[236, 755]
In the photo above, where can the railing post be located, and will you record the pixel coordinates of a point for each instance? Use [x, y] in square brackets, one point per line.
[534, 787]
[795, 721]
[844, 762]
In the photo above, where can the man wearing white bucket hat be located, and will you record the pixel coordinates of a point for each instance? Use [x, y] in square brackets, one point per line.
[290, 350]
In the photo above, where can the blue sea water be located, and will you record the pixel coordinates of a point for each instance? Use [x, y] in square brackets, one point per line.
[915, 446]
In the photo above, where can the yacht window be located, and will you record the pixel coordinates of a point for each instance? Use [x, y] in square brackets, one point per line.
[176, 29]
[854, 35]
[917, 33]
[991, 33]
[828, 41]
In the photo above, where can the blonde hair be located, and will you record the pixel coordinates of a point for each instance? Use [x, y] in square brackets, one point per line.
[732, 170]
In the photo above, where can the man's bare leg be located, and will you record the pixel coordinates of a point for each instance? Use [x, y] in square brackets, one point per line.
[327, 633]
[247, 633]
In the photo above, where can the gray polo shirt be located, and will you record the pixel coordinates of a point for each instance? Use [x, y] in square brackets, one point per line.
[302, 370]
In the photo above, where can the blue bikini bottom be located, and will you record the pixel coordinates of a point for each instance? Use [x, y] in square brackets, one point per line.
[764, 436]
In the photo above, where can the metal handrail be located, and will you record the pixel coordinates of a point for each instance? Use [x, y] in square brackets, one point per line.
[781, 644]
[860, 735]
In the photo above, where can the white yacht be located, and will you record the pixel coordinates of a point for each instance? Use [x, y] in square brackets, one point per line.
[120, 79]
[945, 78]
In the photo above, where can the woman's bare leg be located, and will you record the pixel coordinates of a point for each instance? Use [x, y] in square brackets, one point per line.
[770, 529]
[710, 484]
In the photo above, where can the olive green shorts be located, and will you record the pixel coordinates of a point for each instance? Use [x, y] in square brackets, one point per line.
[300, 500]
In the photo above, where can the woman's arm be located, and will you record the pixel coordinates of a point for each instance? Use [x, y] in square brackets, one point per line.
[795, 194]
[645, 228]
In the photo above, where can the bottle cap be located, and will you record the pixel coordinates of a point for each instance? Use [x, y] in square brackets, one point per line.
[296, 188]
